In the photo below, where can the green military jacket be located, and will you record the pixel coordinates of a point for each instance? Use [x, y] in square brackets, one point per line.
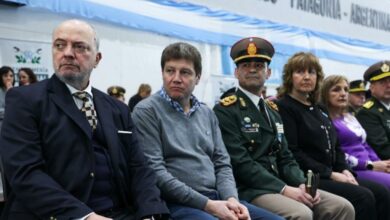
[261, 160]
[375, 119]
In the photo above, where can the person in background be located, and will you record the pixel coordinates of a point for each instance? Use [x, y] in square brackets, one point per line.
[144, 91]
[26, 76]
[313, 139]
[375, 114]
[266, 172]
[183, 143]
[117, 92]
[7, 81]
[68, 149]
[351, 135]
[356, 96]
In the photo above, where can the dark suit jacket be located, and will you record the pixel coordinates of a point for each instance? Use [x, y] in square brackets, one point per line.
[311, 137]
[49, 160]
[375, 119]
[261, 160]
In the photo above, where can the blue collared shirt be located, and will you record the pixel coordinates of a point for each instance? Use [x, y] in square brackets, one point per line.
[195, 104]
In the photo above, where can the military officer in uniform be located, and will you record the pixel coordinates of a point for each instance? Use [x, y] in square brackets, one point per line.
[117, 92]
[375, 114]
[356, 96]
[266, 173]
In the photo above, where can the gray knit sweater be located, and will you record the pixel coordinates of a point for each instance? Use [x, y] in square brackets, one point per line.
[187, 153]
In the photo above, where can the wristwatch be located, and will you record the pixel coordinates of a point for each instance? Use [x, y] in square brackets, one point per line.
[369, 165]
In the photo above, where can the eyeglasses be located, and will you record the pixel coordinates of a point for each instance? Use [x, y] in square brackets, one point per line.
[79, 48]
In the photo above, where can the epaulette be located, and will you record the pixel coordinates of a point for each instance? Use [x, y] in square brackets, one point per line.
[228, 100]
[272, 105]
[368, 104]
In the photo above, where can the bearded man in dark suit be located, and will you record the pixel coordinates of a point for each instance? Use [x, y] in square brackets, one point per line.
[68, 149]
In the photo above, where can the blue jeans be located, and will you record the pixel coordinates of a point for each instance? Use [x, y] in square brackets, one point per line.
[180, 212]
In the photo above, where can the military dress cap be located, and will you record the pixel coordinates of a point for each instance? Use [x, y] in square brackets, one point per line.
[116, 91]
[252, 47]
[357, 86]
[377, 71]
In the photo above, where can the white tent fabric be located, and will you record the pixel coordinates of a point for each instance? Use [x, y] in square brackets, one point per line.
[151, 24]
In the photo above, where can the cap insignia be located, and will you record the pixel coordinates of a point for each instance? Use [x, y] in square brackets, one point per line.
[252, 49]
[114, 91]
[361, 85]
[229, 100]
[368, 104]
[385, 68]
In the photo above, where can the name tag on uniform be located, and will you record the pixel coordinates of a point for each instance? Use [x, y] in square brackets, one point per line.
[250, 130]
[279, 128]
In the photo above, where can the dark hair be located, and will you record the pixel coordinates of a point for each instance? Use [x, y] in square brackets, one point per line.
[302, 61]
[4, 70]
[181, 50]
[31, 76]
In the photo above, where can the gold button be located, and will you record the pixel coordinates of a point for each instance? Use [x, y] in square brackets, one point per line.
[252, 141]
[92, 175]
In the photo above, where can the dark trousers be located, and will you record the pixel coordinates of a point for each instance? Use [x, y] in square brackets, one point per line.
[370, 200]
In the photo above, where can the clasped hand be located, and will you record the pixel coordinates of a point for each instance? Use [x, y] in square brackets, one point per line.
[227, 210]
[299, 194]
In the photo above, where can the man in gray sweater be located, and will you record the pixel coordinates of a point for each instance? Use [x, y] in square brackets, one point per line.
[183, 142]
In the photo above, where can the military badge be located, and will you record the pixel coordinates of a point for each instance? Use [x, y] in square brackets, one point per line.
[385, 68]
[361, 85]
[228, 100]
[252, 49]
[272, 105]
[247, 126]
[114, 91]
[380, 109]
[242, 102]
[368, 104]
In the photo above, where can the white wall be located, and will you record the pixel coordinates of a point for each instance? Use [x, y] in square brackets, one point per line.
[130, 57]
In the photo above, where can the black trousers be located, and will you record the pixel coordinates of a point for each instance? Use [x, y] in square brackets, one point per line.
[122, 214]
[371, 200]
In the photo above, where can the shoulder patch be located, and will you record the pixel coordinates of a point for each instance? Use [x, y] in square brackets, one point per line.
[272, 105]
[228, 100]
[368, 104]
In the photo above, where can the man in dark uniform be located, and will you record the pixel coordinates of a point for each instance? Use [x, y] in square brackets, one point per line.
[357, 96]
[375, 114]
[117, 92]
[266, 173]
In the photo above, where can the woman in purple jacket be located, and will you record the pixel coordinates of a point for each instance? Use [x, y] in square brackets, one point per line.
[351, 135]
